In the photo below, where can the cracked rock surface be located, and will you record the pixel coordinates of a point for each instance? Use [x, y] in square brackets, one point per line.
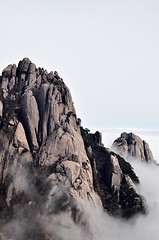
[47, 161]
[131, 145]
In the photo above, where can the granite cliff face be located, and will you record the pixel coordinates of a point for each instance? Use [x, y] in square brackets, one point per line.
[131, 145]
[48, 162]
[114, 179]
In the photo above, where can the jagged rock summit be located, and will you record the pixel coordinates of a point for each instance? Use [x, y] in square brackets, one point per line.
[131, 145]
[49, 164]
[41, 126]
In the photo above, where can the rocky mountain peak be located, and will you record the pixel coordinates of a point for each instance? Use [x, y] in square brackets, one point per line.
[49, 164]
[32, 96]
[41, 146]
[131, 145]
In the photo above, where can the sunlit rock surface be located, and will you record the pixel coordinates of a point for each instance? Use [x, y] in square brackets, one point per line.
[48, 163]
[131, 145]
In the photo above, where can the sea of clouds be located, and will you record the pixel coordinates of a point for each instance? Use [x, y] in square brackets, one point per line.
[98, 222]
[105, 227]
[140, 227]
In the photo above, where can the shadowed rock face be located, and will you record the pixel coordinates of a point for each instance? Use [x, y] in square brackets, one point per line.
[130, 145]
[47, 161]
[114, 178]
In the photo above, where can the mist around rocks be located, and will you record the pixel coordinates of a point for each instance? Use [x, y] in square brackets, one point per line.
[58, 181]
[102, 225]
[139, 227]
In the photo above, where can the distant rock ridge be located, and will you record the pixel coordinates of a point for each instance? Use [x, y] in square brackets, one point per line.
[48, 162]
[131, 145]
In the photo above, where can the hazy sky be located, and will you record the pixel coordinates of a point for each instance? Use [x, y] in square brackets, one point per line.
[107, 52]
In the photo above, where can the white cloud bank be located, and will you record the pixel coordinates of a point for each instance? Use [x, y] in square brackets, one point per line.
[106, 227]
[103, 226]
[141, 226]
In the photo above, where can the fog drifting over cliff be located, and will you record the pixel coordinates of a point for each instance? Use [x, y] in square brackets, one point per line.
[103, 226]
[106, 227]
[141, 227]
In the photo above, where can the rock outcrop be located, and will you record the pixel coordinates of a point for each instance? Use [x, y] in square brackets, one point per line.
[40, 139]
[131, 145]
[114, 178]
[48, 163]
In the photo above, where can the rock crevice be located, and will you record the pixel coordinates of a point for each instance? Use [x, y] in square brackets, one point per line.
[48, 162]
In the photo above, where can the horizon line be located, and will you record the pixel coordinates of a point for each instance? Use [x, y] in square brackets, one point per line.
[126, 128]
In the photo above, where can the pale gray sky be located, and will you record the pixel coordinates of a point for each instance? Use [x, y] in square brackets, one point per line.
[107, 52]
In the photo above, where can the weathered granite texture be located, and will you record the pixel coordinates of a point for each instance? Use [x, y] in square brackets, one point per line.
[114, 178]
[47, 161]
[41, 143]
[131, 145]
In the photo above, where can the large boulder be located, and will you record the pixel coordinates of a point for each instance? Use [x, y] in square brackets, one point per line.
[20, 140]
[30, 119]
[7, 71]
[23, 65]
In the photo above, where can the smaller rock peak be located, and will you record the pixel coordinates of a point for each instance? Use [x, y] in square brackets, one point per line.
[124, 135]
[98, 137]
[26, 59]
[9, 71]
[94, 139]
[23, 65]
[131, 145]
[32, 68]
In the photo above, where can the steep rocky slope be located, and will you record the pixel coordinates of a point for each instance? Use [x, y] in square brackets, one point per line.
[48, 162]
[131, 145]
[114, 178]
